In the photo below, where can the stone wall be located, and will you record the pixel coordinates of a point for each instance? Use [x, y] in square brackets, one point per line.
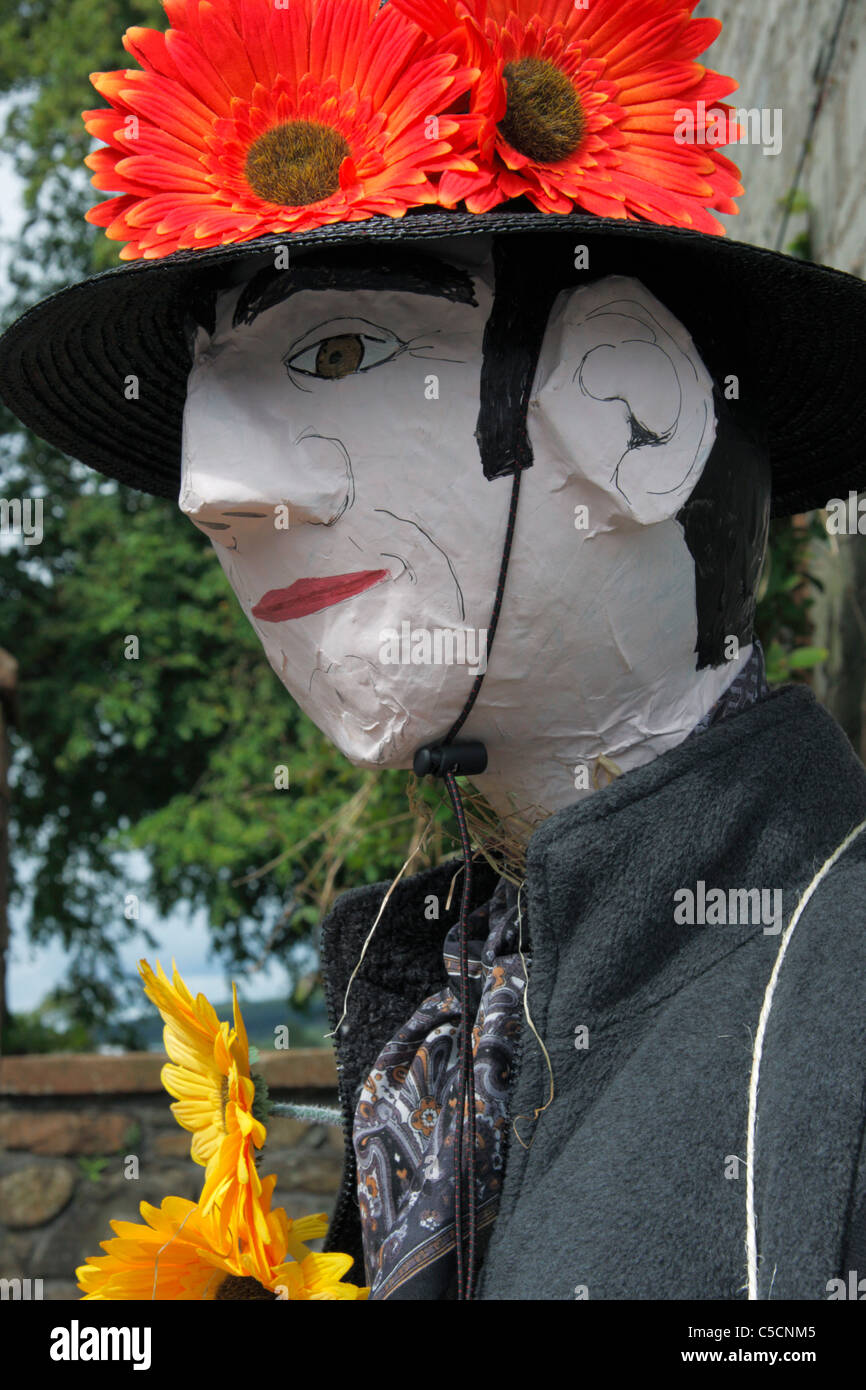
[69, 1124]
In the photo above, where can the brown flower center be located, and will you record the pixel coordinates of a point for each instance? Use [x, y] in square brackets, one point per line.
[296, 163]
[237, 1286]
[543, 118]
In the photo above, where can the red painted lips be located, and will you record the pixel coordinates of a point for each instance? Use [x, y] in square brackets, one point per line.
[311, 595]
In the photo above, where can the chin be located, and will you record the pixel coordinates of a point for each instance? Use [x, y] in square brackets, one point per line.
[370, 719]
[374, 749]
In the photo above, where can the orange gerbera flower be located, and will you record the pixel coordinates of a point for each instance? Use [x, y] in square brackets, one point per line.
[252, 117]
[178, 1254]
[209, 1073]
[586, 105]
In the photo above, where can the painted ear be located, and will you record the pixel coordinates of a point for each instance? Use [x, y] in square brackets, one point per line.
[625, 398]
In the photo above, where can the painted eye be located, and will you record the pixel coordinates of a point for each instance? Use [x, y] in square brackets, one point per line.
[344, 354]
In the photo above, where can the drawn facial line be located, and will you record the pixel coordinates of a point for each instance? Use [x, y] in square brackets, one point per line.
[316, 669]
[224, 525]
[407, 568]
[415, 349]
[417, 353]
[349, 500]
[694, 462]
[406, 521]
[641, 435]
[206, 526]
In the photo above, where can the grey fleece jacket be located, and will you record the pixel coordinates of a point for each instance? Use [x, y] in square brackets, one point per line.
[632, 1183]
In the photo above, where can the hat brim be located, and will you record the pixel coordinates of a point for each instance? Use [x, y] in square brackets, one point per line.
[789, 331]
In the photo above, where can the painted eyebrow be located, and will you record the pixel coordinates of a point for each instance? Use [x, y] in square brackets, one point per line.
[367, 268]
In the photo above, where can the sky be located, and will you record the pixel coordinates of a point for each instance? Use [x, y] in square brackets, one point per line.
[33, 972]
[10, 209]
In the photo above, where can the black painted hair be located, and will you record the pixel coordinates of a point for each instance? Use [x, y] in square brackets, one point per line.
[726, 522]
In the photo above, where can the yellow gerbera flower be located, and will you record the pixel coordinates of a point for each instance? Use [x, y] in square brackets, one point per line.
[317, 1277]
[209, 1075]
[179, 1255]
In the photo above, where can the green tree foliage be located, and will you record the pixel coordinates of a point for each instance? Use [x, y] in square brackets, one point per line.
[174, 753]
[786, 598]
[47, 52]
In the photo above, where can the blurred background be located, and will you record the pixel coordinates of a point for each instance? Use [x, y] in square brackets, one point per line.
[138, 812]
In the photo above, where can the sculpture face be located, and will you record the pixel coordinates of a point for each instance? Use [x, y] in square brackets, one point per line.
[349, 413]
[330, 456]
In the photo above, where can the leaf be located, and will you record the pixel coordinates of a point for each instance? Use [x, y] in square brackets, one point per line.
[92, 1167]
[803, 658]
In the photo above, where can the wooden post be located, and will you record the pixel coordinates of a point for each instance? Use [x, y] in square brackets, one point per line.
[8, 716]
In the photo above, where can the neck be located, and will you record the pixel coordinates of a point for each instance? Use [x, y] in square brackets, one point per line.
[568, 754]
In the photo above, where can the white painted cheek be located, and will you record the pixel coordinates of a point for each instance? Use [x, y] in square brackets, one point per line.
[243, 443]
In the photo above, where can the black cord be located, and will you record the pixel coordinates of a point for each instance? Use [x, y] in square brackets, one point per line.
[497, 607]
[465, 1214]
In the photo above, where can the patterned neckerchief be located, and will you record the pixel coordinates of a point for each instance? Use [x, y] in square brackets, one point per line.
[744, 690]
[406, 1119]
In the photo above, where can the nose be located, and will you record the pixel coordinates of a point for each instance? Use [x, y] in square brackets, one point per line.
[224, 525]
[228, 491]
